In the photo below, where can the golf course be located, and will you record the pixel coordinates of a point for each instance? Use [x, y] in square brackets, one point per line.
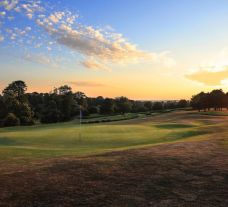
[179, 158]
[65, 139]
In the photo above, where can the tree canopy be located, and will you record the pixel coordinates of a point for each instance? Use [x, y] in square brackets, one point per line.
[17, 107]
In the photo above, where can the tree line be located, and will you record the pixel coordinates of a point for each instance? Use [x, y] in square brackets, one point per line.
[215, 100]
[17, 107]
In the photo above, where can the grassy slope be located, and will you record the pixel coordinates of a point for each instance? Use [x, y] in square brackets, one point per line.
[47, 141]
[191, 170]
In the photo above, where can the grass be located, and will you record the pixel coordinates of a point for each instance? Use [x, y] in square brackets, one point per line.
[215, 113]
[67, 139]
[97, 118]
[111, 118]
[179, 159]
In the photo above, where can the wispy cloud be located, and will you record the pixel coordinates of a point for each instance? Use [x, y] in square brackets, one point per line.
[1, 38]
[91, 42]
[2, 14]
[211, 78]
[41, 59]
[94, 65]
[98, 47]
[212, 71]
[86, 84]
[9, 4]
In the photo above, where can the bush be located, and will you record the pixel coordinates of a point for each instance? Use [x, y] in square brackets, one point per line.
[11, 120]
[27, 121]
[52, 116]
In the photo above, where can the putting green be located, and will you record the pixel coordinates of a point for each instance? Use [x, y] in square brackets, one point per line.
[47, 141]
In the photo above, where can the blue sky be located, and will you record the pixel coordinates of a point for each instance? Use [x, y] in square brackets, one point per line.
[113, 46]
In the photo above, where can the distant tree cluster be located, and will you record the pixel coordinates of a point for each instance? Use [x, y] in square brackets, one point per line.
[216, 100]
[20, 108]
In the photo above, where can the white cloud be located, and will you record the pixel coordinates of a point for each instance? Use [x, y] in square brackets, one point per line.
[98, 47]
[56, 17]
[53, 18]
[1, 38]
[212, 71]
[93, 65]
[9, 4]
[41, 59]
[2, 14]
[29, 15]
[93, 43]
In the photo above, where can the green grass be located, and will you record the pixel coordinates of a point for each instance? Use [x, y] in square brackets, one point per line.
[66, 139]
[98, 118]
[111, 118]
[215, 113]
[118, 117]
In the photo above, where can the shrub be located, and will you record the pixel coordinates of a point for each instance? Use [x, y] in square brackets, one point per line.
[11, 120]
[27, 121]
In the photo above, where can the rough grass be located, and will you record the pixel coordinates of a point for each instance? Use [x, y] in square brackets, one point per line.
[175, 159]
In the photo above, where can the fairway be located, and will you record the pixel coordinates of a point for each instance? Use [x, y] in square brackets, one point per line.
[93, 165]
[47, 141]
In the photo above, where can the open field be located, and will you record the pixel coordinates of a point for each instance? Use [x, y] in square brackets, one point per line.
[64, 139]
[173, 159]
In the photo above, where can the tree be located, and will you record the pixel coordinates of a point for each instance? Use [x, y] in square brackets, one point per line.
[67, 104]
[15, 89]
[170, 105]
[158, 106]
[17, 102]
[201, 101]
[51, 114]
[225, 101]
[123, 105]
[11, 120]
[3, 108]
[216, 99]
[148, 105]
[81, 99]
[182, 103]
[36, 101]
[63, 90]
[99, 100]
[94, 110]
[138, 106]
[107, 106]
[25, 114]
[80, 95]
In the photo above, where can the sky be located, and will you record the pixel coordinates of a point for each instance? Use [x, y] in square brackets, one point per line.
[147, 49]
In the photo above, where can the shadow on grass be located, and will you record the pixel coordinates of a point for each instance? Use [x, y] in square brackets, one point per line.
[6, 141]
[189, 134]
[174, 126]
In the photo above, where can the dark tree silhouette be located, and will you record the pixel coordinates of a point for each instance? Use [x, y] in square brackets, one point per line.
[158, 106]
[20, 108]
[123, 105]
[216, 99]
[107, 106]
[15, 89]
